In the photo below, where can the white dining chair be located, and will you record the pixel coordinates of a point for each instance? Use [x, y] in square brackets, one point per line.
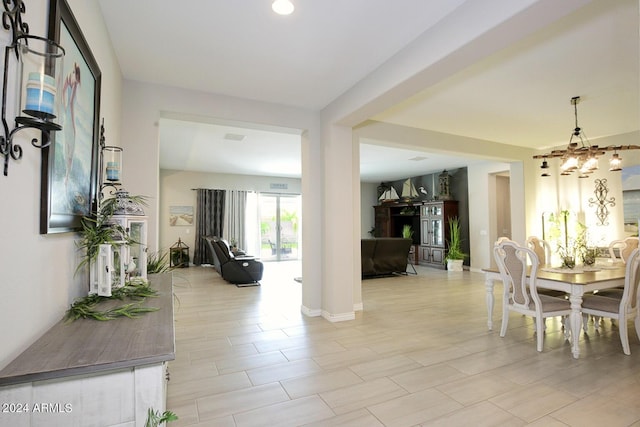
[541, 248]
[520, 292]
[622, 308]
[543, 252]
[623, 247]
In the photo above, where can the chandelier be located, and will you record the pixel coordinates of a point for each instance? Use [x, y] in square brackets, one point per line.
[580, 156]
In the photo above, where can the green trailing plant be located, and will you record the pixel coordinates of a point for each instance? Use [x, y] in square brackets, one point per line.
[96, 232]
[136, 290]
[157, 262]
[408, 210]
[407, 231]
[155, 418]
[454, 250]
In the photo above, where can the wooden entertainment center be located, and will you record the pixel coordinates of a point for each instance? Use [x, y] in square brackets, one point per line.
[429, 222]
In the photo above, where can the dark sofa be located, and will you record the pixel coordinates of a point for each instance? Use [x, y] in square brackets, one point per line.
[241, 270]
[384, 256]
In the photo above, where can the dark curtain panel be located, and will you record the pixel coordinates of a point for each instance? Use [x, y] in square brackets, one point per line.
[209, 222]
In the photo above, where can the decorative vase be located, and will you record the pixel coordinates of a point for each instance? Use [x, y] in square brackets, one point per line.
[568, 262]
[454, 264]
[589, 257]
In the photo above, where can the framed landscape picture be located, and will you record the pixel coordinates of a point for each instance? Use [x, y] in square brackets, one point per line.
[69, 165]
[180, 215]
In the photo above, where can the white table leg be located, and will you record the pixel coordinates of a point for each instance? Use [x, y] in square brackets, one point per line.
[490, 301]
[576, 320]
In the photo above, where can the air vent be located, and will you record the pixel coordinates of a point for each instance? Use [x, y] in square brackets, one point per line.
[234, 137]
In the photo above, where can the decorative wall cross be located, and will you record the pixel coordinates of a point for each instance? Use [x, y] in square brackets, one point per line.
[601, 202]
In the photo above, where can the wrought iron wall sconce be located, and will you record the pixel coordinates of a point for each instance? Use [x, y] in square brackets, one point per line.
[580, 155]
[601, 202]
[38, 61]
[110, 165]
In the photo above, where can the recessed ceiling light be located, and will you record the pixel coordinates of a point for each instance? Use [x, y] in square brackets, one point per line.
[282, 7]
[234, 137]
[418, 158]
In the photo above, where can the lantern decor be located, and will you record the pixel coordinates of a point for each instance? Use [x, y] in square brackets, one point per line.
[179, 255]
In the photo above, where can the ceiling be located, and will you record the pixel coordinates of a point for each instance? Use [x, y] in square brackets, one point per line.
[311, 57]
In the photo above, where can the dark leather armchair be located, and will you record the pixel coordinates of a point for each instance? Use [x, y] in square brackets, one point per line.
[240, 270]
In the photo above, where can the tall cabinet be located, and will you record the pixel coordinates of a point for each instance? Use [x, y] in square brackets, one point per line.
[434, 231]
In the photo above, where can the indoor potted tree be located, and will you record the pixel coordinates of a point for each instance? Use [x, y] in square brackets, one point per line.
[455, 255]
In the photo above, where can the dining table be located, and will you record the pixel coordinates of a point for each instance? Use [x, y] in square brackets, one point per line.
[574, 282]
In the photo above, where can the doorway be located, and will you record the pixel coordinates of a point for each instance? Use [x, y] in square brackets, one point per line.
[280, 219]
[503, 205]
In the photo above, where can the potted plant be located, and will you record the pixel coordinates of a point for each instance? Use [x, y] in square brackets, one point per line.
[157, 262]
[407, 231]
[455, 255]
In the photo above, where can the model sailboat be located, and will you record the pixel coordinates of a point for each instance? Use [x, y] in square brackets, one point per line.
[409, 190]
[390, 194]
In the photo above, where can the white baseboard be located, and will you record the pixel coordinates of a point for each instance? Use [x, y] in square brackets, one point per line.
[309, 312]
[358, 307]
[338, 317]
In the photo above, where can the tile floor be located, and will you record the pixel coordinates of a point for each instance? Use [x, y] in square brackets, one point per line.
[418, 355]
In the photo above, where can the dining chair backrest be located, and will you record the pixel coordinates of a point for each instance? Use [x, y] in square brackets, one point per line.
[502, 239]
[632, 277]
[512, 262]
[541, 248]
[624, 248]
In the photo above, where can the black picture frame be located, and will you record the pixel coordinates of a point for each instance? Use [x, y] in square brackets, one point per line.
[69, 176]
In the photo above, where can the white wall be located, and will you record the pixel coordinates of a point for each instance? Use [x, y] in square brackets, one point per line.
[176, 189]
[37, 271]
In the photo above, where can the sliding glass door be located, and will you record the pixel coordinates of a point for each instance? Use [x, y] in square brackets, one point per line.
[280, 219]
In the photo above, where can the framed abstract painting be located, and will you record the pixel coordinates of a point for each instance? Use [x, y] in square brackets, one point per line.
[69, 165]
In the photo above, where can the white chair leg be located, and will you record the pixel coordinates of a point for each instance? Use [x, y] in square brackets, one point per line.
[539, 332]
[624, 336]
[505, 320]
[585, 319]
[596, 322]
